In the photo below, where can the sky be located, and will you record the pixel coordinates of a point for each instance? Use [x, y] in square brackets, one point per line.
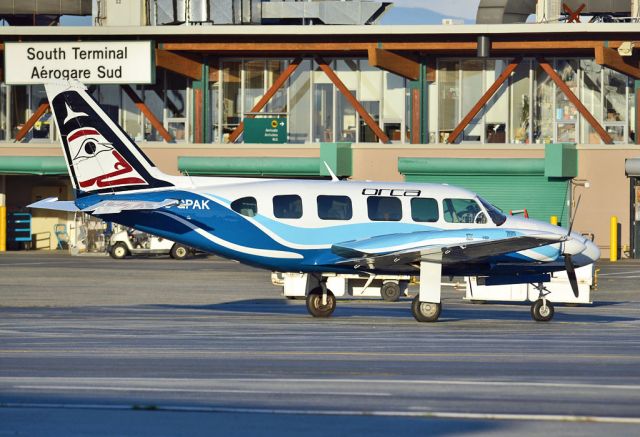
[403, 12]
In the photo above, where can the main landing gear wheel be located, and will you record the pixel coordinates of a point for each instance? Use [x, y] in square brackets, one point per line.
[315, 306]
[541, 311]
[390, 292]
[118, 251]
[178, 251]
[425, 311]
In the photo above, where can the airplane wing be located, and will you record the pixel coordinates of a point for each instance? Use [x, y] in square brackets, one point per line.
[388, 250]
[116, 206]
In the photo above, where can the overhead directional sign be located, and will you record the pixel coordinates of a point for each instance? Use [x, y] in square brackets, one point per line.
[270, 130]
[117, 62]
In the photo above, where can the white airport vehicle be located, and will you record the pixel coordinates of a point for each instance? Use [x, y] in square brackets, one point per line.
[388, 287]
[130, 242]
[558, 290]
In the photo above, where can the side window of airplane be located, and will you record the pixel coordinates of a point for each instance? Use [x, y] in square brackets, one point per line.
[334, 208]
[246, 206]
[385, 209]
[424, 210]
[287, 206]
[463, 211]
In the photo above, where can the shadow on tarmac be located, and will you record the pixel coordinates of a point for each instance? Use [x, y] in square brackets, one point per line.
[402, 310]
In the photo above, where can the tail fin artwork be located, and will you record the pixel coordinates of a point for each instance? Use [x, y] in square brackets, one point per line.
[100, 156]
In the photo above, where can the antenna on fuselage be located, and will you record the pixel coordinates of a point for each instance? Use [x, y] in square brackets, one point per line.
[333, 175]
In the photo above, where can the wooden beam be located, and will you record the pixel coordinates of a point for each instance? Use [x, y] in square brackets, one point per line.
[147, 113]
[483, 100]
[179, 64]
[576, 102]
[277, 84]
[351, 99]
[400, 65]
[44, 107]
[347, 47]
[416, 127]
[611, 58]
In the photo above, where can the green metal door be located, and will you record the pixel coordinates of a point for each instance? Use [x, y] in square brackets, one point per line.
[510, 184]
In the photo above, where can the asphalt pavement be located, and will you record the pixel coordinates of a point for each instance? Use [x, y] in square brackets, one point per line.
[153, 346]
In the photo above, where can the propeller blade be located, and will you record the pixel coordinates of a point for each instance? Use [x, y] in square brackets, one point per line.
[575, 213]
[571, 273]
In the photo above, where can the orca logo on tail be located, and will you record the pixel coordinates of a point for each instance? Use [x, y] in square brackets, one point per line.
[100, 156]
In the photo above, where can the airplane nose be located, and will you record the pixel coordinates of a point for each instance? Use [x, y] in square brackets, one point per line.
[591, 251]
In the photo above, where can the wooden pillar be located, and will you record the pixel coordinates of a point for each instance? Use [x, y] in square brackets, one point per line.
[576, 102]
[637, 129]
[483, 100]
[352, 100]
[147, 113]
[44, 107]
[201, 107]
[277, 84]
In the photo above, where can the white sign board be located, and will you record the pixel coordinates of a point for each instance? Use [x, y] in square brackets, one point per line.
[119, 62]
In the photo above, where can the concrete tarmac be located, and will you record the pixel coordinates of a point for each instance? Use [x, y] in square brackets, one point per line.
[152, 346]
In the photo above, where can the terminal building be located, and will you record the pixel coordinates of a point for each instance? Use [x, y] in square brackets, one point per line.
[533, 107]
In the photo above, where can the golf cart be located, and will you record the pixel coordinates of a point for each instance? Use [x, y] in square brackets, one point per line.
[132, 242]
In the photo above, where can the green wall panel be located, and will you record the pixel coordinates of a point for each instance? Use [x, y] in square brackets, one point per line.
[242, 166]
[33, 165]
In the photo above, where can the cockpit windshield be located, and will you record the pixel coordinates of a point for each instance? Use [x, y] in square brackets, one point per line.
[495, 214]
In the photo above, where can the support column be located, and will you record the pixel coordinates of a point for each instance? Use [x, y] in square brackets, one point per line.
[418, 125]
[3, 214]
[201, 107]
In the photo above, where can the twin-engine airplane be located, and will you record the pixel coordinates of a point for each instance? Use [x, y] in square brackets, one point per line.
[312, 226]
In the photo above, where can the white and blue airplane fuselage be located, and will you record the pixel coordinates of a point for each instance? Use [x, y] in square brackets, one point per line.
[311, 226]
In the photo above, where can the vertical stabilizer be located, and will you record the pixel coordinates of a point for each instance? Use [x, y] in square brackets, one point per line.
[100, 156]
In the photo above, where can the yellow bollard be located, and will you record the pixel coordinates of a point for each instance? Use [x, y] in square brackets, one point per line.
[613, 245]
[554, 220]
[3, 228]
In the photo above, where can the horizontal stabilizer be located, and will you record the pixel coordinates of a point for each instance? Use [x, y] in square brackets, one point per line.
[117, 206]
[52, 203]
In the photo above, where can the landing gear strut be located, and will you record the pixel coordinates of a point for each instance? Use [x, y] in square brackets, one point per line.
[542, 310]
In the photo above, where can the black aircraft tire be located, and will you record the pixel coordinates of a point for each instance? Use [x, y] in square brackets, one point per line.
[315, 306]
[541, 314]
[119, 251]
[425, 311]
[390, 292]
[179, 252]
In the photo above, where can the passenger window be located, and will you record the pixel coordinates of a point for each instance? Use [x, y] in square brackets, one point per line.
[287, 206]
[334, 208]
[424, 210]
[246, 206]
[386, 209]
[463, 211]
